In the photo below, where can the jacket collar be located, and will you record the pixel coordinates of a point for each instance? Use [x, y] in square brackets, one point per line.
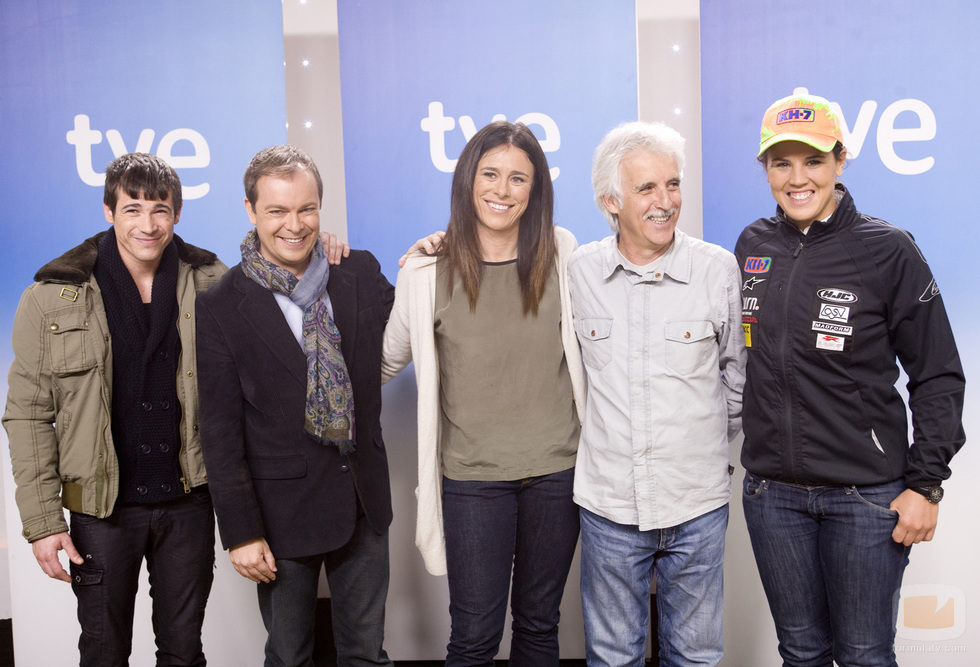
[257, 305]
[76, 265]
[842, 214]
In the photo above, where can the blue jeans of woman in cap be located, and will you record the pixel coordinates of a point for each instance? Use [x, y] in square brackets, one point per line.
[830, 569]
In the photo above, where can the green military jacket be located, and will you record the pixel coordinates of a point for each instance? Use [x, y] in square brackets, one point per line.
[59, 398]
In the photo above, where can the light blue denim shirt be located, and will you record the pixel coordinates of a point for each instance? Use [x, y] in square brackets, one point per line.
[664, 353]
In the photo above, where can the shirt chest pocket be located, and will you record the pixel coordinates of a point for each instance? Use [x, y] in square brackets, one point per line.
[688, 344]
[67, 337]
[593, 337]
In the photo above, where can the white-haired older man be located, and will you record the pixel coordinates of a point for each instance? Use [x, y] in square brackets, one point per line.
[658, 316]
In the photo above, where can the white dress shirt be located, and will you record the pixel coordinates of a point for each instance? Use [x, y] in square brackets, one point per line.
[294, 314]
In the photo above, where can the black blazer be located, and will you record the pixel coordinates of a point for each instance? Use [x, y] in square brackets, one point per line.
[268, 477]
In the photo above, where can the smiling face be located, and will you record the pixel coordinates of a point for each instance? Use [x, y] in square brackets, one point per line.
[287, 218]
[501, 189]
[802, 180]
[144, 229]
[651, 187]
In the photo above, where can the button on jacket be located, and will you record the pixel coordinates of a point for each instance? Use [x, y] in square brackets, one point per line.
[664, 356]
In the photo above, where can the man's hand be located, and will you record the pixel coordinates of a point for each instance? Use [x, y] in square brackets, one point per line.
[428, 244]
[46, 552]
[334, 247]
[253, 560]
[917, 518]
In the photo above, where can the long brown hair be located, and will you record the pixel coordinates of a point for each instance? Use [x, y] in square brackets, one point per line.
[535, 237]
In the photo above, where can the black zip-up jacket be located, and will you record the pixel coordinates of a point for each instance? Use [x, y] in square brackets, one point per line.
[825, 315]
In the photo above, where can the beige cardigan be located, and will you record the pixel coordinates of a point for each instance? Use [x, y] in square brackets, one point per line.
[409, 337]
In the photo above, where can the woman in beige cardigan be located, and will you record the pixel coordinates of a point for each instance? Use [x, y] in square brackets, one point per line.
[501, 388]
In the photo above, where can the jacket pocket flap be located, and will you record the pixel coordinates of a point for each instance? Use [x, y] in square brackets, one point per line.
[85, 576]
[68, 320]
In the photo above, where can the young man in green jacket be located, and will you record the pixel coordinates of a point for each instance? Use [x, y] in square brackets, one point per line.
[102, 420]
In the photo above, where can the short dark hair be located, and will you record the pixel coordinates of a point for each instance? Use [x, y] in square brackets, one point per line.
[142, 174]
[278, 160]
[536, 234]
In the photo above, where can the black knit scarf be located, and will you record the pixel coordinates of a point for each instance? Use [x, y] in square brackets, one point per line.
[145, 352]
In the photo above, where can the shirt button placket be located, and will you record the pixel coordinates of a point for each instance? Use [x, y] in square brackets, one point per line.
[635, 379]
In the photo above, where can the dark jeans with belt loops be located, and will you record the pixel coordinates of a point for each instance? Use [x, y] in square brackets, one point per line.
[177, 540]
[830, 569]
[528, 528]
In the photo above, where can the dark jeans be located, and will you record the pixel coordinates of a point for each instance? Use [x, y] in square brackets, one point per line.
[830, 569]
[358, 577]
[177, 540]
[529, 526]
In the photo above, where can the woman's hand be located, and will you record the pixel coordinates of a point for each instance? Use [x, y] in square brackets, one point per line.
[334, 247]
[428, 244]
[917, 518]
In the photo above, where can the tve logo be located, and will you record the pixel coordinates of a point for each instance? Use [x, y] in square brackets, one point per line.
[436, 124]
[83, 137]
[931, 612]
[887, 134]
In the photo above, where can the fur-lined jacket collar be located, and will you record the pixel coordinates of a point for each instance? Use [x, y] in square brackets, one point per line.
[76, 265]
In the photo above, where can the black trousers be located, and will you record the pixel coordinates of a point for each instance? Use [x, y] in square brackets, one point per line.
[177, 540]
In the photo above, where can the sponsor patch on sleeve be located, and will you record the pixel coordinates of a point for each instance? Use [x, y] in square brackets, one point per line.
[931, 292]
[830, 342]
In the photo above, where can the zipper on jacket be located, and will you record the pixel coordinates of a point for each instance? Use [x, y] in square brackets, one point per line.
[784, 347]
[102, 477]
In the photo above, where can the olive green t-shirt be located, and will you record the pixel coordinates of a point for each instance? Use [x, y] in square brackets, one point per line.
[506, 400]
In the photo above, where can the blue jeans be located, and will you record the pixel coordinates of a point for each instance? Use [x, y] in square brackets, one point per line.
[528, 526]
[830, 569]
[618, 565]
[177, 540]
[358, 576]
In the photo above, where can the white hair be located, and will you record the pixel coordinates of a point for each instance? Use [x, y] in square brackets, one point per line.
[620, 142]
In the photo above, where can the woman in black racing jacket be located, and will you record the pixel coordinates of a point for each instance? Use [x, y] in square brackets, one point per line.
[834, 496]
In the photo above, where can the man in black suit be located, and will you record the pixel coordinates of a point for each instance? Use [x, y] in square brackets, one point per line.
[289, 361]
